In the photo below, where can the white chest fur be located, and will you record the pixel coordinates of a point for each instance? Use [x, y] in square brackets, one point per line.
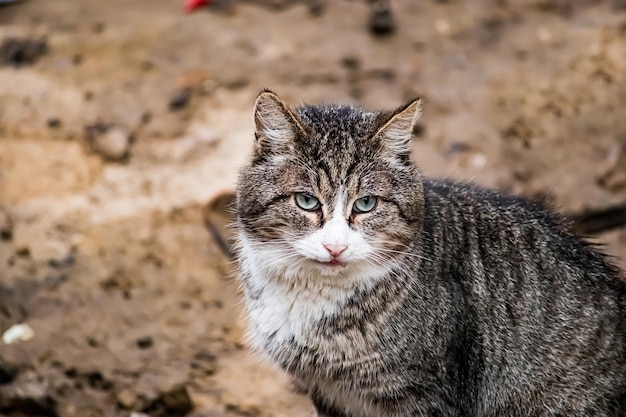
[283, 311]
[281, 314]
[284, 297]
[285, 302]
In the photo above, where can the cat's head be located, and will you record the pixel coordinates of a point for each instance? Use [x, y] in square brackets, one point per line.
[330, 191]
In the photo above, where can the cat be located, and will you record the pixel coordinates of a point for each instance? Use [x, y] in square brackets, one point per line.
[389, 294]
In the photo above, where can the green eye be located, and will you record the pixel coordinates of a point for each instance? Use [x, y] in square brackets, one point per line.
[365, 204]
[307, 201]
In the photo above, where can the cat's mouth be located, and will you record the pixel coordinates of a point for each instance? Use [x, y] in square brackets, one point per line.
[333, 263]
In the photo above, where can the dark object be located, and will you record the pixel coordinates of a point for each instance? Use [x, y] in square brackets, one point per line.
[25, 406]
[180, 99]
[316, 7]
[26, 398]
[8, 372]
[23, 252]
[218, 214]
[96, 380]
[54, 123]
[144, 342]
[6, 226]
[65, 262]
[596, 221]
[204, 362]
[18, 52]
[381, 21]
[96, 129]
[175, 402]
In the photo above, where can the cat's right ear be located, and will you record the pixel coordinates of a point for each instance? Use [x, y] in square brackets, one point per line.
[397, 131]
[276, 125]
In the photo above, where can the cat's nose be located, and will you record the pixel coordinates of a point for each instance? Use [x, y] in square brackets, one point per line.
[335, 250]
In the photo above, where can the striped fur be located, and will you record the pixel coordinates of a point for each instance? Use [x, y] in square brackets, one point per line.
[450, 300]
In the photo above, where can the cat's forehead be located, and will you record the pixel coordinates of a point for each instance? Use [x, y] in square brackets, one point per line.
[339, 141]
[337, 120]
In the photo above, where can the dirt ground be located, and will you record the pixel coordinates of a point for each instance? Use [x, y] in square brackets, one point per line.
[122, 119]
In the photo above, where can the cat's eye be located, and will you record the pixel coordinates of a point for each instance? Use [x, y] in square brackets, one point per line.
[365, 204]
[307, 201]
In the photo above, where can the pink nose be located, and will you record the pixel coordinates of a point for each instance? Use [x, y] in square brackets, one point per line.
[335, 250]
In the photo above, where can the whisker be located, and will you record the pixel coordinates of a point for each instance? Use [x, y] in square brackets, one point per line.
[410, 255]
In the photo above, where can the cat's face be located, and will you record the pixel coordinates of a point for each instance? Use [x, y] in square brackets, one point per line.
[330, 192]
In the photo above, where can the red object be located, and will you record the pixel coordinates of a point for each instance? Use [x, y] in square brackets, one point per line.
[191, 5]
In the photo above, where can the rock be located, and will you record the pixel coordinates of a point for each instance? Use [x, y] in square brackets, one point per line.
[6, 225]
[54, 123]
[112, 143]
[8, 372]
[204, 363]
[126, 398]
[177, 401]
[63, 262]
[97, 381]
[19, 52]
[144, 342]
[180, 99]
[18, 333]
[316, 7]
[120, 281]
[173, 402]
[27, 395]
[381, 21]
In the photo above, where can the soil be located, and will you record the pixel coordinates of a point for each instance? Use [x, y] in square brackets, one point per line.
[120, 121]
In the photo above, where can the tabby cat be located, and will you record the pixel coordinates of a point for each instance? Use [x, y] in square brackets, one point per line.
[388, 294]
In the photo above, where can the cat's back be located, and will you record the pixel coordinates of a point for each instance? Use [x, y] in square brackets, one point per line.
[489, 238]
[470, 218]
[546, 305]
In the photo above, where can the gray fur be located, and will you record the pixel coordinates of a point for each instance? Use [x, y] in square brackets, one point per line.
[490, 306]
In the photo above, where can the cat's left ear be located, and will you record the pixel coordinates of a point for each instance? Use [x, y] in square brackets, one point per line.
[276, 125]
[397, 132]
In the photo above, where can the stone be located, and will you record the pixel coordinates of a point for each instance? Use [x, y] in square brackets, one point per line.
[6, 225]
[126, 398]
[381, 21]
[113, 144]
[180, 99]
[110, 142]
[174, 402]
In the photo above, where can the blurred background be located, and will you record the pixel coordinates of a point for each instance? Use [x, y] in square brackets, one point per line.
[123, 125]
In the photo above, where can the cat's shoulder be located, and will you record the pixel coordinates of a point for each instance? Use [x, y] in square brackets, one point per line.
[474, 197]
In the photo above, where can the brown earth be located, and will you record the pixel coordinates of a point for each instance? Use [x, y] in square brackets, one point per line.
[120, 120]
